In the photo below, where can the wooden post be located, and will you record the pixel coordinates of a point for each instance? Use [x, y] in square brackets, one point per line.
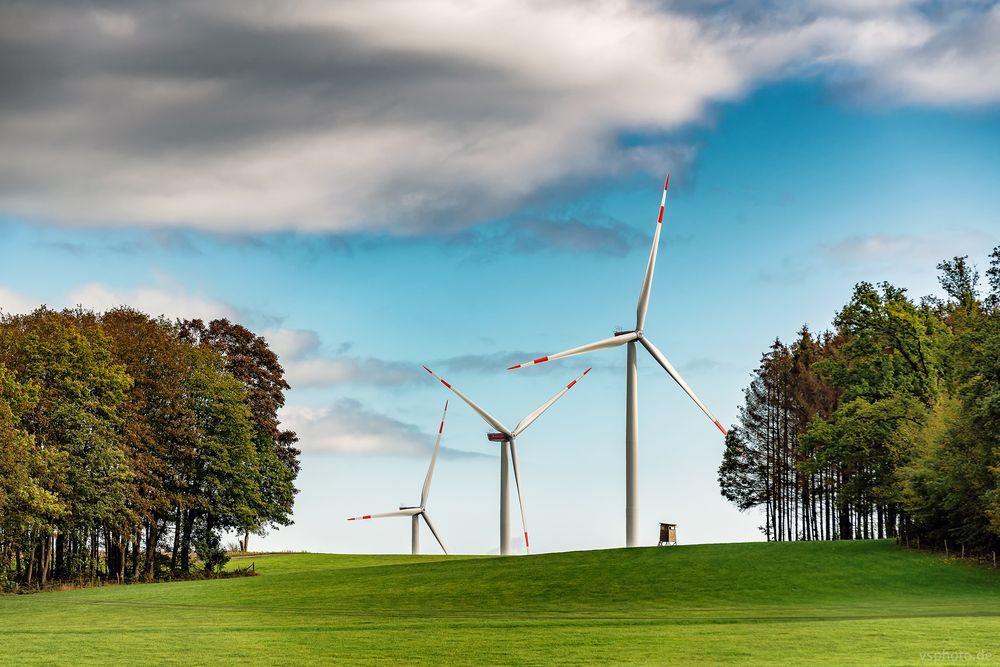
[946, 547]
[918, 543]
[994, 560]
[963, 550]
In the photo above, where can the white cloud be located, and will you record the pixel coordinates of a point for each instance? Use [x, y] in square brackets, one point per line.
[292, 343]
[898, 249]
[409, 116]
[347, 427]
[318, 371]
[14, 303]
[166, 298]
[301, 355]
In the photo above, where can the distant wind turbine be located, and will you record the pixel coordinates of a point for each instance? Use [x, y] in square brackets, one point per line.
[632, 389]
[415, 513]
[508, 448]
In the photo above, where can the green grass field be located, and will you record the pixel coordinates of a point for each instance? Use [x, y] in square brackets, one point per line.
[796, 603]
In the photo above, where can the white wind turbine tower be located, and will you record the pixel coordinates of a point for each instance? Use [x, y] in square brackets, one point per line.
[415, 513]
[630, 338]
[508, 449]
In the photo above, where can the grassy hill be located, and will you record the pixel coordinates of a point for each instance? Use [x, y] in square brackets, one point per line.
[796, 603]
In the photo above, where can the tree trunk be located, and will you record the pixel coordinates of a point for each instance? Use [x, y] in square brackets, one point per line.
[30, 565]
[186, 541]
[46, 557]
[135, 554]
[152, 542]
[60, 571]
[177, 540]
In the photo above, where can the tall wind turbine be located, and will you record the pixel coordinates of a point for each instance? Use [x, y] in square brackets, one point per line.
[415, 513]
[508, 449]
[629, 338]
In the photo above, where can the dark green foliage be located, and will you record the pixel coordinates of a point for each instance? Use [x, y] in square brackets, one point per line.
[993, 278]
[890, 424]
[208, 546]
[960, 281]
[119, 435]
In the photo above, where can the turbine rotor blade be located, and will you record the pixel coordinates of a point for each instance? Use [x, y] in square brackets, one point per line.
[526, 422]
[614, 341]
[647, 281]
[430, 525]
[520, 491]
[487, 417]
[406, 512]
[426, 491]
[679, 380]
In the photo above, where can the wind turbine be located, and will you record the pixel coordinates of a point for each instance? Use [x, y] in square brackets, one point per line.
[508, 449]
[630, 338]
[415, 513]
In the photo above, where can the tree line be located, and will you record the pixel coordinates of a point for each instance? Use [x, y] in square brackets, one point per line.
[129, 443]
[886, 426]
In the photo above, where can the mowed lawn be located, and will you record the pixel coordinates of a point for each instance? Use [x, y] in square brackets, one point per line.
[797, 603]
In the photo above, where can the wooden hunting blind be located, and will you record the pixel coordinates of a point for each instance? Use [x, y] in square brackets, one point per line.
[668, 534]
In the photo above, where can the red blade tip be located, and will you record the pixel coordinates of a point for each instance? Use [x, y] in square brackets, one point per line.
[666, 182]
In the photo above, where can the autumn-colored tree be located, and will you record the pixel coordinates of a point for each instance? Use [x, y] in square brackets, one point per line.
[250, 360]
[120, 434]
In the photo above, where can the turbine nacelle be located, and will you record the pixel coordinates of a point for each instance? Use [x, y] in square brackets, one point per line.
[628, 332]
[497, 437]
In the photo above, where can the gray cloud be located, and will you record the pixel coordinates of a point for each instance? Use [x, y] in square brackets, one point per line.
[325, 371]
[138, 242]
[409, 118]
[614, 238]
[307, 365]
[497, 363]
[348, 427]
[912, 253]
[906, 251]
[699, 365]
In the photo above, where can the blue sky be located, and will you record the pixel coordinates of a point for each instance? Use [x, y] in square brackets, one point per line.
[799, 166]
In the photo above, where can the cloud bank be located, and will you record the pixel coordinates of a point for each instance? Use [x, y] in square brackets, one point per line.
[415, 117]
[163, 297]
[348, 427]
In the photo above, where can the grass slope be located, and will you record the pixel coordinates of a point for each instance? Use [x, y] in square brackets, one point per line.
[796, 603]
